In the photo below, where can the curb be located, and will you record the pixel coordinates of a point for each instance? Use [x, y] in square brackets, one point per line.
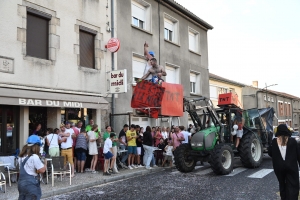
[99, 182]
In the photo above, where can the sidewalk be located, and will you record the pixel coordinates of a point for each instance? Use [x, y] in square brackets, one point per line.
[80, 181]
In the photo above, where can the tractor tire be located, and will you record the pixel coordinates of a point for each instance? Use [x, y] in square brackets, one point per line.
[222, 159]
[251, 151]
[180, 157]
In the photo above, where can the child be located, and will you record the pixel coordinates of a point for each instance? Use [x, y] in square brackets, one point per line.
[107, 149]
[168, 156]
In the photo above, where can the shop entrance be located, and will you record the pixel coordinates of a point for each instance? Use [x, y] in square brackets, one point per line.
[9, 129]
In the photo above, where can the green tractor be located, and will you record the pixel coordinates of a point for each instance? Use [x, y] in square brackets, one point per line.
[214, 140]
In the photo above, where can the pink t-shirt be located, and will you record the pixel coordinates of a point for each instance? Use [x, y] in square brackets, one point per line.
[175, 138]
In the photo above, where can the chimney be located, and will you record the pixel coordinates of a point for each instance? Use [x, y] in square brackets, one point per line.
[255, 84]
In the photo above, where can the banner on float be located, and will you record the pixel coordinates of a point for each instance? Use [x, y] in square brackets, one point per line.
[172, 101]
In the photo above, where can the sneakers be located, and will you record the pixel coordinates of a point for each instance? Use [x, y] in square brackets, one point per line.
[139, 166]
[94, 172]
[134, 166]
[149, 168]
[110, 170]
[106, 174]
[155, 166]
[129, 167]
[88, 170]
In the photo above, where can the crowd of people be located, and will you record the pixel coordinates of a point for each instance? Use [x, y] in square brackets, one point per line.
[140, 146]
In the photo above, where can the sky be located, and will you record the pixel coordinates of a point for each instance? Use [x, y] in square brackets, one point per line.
[253, 40]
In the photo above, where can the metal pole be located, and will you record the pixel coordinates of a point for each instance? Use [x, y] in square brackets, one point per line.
[112, 63]
[266, 95]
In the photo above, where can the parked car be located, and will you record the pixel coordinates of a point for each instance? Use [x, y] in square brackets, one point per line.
[295, 135]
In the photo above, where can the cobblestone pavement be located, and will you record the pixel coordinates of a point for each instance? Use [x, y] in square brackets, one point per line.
[202, 183]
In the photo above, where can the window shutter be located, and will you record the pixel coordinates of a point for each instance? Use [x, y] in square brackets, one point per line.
[87, 49]
[192, 41]
[138, 12]
[37, 36]
[171, 74]
[169, 25]
[138, 67]
[193, 77]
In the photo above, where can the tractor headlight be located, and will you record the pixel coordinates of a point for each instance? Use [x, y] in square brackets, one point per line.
[200, 144]
[193, 144]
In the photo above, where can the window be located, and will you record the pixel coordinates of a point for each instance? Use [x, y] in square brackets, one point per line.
[272, 99]
[87, 48]
[140, 14]
[231, 90]
[265, 97]
[213, 92]
[289, 111]
[269, 98]
[193, 40]
[172, 74]
[138, 67]
[193, 78]
[171, 28]
[37, 35]
[280, 108]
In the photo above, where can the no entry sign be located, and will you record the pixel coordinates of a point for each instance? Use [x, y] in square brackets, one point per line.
[113, 45]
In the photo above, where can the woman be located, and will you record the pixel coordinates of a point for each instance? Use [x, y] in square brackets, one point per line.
[147, 144]
[30, 165]
[52, 142]
[286, 159]
[142, 130]
[93, 147]
[171, 133]
[81, 148]
[157, 136]
[37, 130]
[114, 146]
[164, 133]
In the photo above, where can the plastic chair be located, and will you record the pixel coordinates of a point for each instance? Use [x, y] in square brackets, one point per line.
[2, 178]
[11, 171]
[100, 161]
[58, 168]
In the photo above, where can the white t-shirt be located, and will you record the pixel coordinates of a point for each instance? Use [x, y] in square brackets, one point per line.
[69, 142]
[282, 150]
[164, 135]
[43, 144]
[186, 137]
[33, 163]
[147, 67]
[169, 150]
[53, 140]
[107, 145]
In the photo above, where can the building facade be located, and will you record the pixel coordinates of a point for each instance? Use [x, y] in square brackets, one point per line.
[286, 106]
[219, 85]
[179, 41]
[53, 66]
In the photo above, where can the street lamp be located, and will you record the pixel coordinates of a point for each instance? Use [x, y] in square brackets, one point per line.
[267, 91]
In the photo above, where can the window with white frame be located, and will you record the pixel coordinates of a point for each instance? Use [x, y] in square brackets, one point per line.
[216, 90]
[171, 29]
[138, 67]
[265, 97]
[195, 83]
[269, 98]
[172, 74]
[140, 11]
[272, 99]
[193, 40]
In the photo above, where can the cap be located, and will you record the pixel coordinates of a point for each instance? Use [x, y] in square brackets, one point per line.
[67, 122]
[34, 139]
[152, 53]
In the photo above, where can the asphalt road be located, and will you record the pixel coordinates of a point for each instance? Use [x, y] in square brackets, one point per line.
[202, 183]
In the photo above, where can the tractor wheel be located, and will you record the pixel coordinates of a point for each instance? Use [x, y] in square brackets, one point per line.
[222, 159]
[251, 151]
[181, 158]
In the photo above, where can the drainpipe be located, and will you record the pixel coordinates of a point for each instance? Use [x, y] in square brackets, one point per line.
[112, 123]
[158, 14]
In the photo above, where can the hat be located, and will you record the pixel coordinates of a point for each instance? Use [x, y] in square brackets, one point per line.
[282, 130]
[67, 122]
[151, 53]
[34, 139]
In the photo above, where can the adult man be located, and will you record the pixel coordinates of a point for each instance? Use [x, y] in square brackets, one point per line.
[66, 144]
[148, 55]
[123, 144]
[76, 130]
[186, 135]
[155, 70]
[177, 138]
[131, 141]
[89, 127]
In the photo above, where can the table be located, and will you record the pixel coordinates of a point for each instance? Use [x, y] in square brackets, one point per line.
[5, 164]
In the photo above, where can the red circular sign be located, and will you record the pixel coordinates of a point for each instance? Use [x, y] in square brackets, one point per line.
[113, 45]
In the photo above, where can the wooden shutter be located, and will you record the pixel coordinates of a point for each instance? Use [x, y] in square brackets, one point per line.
[87, 49]
[37, 36]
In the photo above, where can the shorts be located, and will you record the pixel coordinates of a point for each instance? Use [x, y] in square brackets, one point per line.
[139, 151]
[239, 133]
[80, 154]
[108, 155]
[131, 149]
[54, 151]
[68, 154]
[167, 157]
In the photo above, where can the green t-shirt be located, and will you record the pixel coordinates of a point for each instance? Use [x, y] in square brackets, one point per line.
[89, 128]
[107, 135]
